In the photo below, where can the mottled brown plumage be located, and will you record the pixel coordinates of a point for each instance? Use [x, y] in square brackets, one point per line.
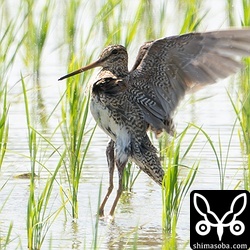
[126, 104]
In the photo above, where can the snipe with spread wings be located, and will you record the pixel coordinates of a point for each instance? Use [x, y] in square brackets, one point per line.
[126, 104]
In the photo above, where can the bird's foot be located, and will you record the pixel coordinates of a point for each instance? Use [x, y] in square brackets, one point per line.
[108, 218]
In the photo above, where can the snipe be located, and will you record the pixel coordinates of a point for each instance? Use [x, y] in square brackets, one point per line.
[126, 104]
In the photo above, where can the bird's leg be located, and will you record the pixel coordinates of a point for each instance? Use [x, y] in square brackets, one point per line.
[120, 167]
[111, 166]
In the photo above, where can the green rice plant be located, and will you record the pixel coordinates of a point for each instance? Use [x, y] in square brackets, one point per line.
[9, 30]
[230, 13]
[4, 241]
[174, 190]
[245, 123]
[31, 211]
[38, 218]
[169, 242]
[245, 92]
[221, 160]
[37, 33]
[120, 28]
[95, 225]
[110, 22]
[9, 49]
[3, 204]
[130, 175]
[37, 30]
[74, 131]
[4, 125]
[31, 133]
[141, 24]
[136, 22]
[191, 17]
[76, 151]
[243, 112]
[33, 152]
[243, 140]
[71, 12]
[244, 137]
[75, 106]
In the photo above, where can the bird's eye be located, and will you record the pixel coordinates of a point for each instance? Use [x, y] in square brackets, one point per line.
[115, 51]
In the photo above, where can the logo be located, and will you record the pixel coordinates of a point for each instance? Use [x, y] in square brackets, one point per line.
[219, 219]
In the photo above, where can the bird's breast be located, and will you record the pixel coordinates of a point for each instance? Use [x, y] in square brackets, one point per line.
[117, 131]
[103, 118]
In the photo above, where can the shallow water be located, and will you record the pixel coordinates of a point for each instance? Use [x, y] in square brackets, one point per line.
[138, 214]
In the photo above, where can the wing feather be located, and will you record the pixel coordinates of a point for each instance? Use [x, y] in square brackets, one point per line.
[167, 68]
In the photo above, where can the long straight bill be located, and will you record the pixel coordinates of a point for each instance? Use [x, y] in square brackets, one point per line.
[90, 66]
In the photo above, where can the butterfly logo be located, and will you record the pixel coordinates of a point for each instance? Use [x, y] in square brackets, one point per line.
[210, 219]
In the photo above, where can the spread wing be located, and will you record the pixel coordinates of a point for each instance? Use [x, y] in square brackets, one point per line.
[167, 68]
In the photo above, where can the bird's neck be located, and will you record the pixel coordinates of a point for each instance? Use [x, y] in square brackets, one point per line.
[115, 72]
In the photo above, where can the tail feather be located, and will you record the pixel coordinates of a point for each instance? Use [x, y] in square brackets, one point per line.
[144, 154]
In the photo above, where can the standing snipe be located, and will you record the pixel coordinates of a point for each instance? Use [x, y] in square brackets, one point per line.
[126, 104]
